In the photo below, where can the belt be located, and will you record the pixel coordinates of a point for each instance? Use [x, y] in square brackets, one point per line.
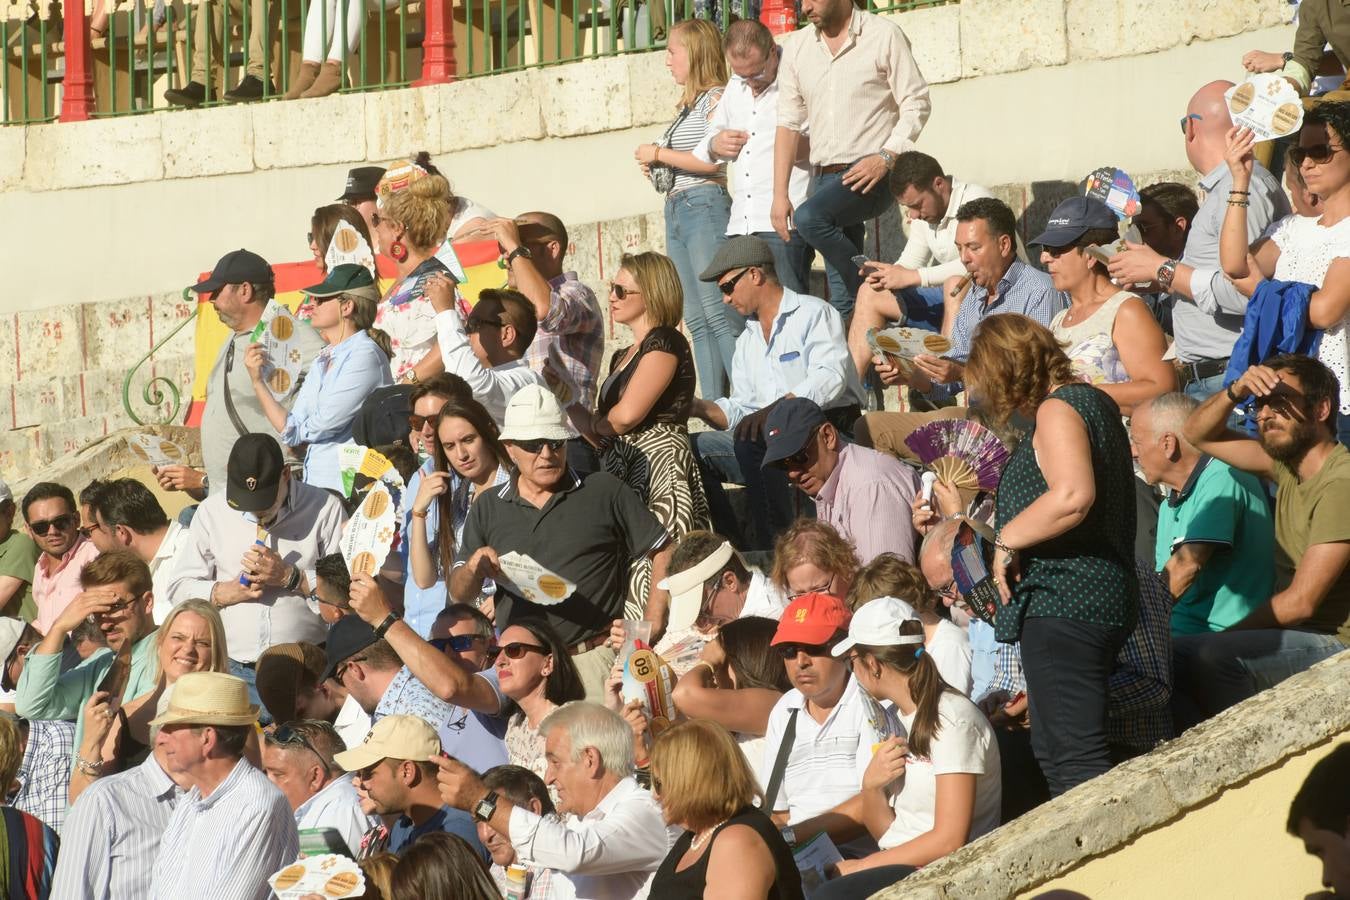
[1200, 369]
[831, 170]
[587, 645]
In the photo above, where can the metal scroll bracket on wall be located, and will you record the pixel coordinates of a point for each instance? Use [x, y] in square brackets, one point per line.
[161, 388]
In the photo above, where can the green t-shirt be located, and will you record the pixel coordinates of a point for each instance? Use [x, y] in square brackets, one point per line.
[18, 558]
[1228, 509]
[1314, 512]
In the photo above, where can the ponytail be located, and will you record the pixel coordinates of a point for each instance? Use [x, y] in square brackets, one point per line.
[925, 684]
[382, 341]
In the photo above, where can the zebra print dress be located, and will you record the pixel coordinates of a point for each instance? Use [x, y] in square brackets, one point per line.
[655, 459]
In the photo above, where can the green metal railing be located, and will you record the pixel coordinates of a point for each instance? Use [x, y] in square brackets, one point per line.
[160, 393]
[149, 47]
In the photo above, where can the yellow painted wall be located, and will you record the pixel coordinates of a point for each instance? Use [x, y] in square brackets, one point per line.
[1235, 848]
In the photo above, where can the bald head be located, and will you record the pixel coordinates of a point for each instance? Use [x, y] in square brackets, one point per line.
[1207, 126]
[935, 553]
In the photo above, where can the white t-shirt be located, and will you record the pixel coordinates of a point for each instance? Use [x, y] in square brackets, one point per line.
[965, 743]
[950, 649]
[465, 211]
[1307, 250]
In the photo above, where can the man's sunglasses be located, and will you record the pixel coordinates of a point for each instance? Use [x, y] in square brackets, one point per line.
[314, 601]
[791, 650]
[473, 326]
[728, 286]
[538, 444]
[285, 735]
[517, 649]
[802, 457]
[1185, 120]
[343, 666]
[61, 523]
[121, 604]
[460, 643]
[1316, 154]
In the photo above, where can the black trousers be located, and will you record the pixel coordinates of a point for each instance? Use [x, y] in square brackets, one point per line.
[1067, 664]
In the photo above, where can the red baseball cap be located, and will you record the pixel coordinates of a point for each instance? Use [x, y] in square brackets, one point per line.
[812, 619]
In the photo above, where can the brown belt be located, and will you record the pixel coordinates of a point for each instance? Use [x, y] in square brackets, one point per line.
[831, 170]
[587, 645]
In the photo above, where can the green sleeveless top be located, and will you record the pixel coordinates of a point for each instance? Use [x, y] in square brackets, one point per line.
[1087, 573]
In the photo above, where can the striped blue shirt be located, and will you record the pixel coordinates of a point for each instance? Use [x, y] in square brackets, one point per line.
[112, 835]
[225, 846]
[1022, 289]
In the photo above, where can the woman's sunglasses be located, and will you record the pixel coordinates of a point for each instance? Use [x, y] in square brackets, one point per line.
[1316, 154]
[517, 649]
[619, 291]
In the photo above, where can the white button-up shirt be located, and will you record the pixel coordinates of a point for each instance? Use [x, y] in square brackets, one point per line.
[163, 565]
[336, 805]
[353, 723]
[112, 835]
[225, 846]
[492, 387]
[806, 355]
[609, 854]
[931, 249]
[308, 526]
[752, 171]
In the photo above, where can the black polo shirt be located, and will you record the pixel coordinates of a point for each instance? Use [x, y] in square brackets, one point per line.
[590, 532]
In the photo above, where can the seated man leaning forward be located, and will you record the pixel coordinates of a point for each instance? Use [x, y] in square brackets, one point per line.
[1308, 617]
[584, 529]
[792, 346]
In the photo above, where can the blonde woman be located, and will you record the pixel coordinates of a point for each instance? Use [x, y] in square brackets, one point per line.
[729, 845]
[192, 639]
[411, 217]
[697, 204]
[342, 376]
[640, 420]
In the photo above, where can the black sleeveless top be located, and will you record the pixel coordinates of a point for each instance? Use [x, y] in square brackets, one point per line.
[669, 884]
[672, 407]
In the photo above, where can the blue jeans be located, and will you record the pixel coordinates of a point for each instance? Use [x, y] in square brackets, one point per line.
[832, 221]
[792, 259]
[924, 307]
[1217, 670]
[722, 458]
[250, 676]
[696, 225]
[862, 884]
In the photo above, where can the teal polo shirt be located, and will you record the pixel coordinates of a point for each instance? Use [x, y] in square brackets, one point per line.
[1222, 506]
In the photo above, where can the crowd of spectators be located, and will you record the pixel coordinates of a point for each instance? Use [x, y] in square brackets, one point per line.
[860, 655]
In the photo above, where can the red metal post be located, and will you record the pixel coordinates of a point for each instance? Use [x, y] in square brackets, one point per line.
[779, 16]
[438, 46]
[77, 91]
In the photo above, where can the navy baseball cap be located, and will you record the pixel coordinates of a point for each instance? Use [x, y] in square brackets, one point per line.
[347, 637]
[236, 267]
[789, 426]
[1072, 219]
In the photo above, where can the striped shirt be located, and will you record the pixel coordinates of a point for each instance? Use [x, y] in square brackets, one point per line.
[225, 846]
[112, 835]
[1022, 289]
[44, 775]
[27, 855]
[1138, 706]
[690, 131]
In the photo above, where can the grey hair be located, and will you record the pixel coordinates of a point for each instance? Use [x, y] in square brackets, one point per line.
[940, 539]
[1169, 413]
[593, 725]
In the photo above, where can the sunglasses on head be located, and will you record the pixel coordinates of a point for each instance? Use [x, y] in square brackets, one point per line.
[518, 649]
[728, 286]
[1317, 154]
[473, 326]
[538, 444]
[791, 650]
[61, 523]
[619, 291]
[285, 735]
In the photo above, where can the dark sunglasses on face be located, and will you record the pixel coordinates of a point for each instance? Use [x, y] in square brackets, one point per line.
[342, 668]
[790, 651]
[460, 643]
[728, 286]
[61, 523]
[1316, 154]
[473, 326]
[517, 649]
[619, 291]
[537, 445]
[1057, 252]
[419, 422]
[802, 457]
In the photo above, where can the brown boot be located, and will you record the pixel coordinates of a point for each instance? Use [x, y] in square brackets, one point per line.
[303, 79]
[330, 79]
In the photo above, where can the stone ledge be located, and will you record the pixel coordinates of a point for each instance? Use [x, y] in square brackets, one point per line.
[12, 142]
[101, 151]
[106, 456]
[1143, 794]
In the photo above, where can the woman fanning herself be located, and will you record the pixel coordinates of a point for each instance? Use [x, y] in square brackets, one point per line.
[1307, 249]
[1064, 558]
[697, 203]
[469, 460]
[928, 794]
[192, 639]
[355, 362]
[1113, 338]
[641, 415]
[730, 849]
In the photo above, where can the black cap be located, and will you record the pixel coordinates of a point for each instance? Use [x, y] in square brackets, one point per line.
[347, 637]
[1072, 218]
[789, 426]
[236, 267]
[253, 473]
[361, 183]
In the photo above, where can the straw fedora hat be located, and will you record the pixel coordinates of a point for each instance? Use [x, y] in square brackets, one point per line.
[208, 698]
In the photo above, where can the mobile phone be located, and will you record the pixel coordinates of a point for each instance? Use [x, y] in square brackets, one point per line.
[860, 261]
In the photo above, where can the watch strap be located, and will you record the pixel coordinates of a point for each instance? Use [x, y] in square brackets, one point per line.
[384, 626]
[484, 809]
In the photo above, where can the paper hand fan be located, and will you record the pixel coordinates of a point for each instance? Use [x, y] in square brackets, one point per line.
[960, 452]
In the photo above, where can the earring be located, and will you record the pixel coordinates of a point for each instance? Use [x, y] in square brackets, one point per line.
[398, 251]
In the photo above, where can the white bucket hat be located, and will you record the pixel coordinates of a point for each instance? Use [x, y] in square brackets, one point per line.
[877, 624]
[534, 414]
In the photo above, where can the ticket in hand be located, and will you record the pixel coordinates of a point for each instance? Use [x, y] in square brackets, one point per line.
[369, 533]
[1267, 104]
[534, 582]
[907, 343]
[329, 876]
[157, 451]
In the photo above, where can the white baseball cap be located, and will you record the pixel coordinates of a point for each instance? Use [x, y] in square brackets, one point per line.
[534, 414]
[877, 624]
[686, 587]
[10, 631]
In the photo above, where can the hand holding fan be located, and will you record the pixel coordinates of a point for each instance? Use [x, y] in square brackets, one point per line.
[960, 452]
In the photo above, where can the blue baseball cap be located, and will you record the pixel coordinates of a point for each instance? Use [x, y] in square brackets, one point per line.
[1072, 219]
[788, 427]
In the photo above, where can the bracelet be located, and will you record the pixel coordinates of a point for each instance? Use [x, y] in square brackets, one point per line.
[1243, 193]
[421, 515]
[656, 153]
[92, 769]
[1243, 203]
[384, 626]
[711, 669]
[1229, 391]
[294, 581]
[998, 543]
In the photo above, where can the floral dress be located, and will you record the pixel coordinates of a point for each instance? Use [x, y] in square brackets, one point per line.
[406, 315]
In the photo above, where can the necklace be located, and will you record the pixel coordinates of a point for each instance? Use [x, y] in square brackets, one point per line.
[698, 842]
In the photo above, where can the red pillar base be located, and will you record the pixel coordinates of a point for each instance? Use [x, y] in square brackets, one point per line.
[77, 91]
[438, 47]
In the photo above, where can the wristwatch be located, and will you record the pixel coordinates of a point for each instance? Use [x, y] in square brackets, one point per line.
[887, 157]
[1166, 272]
[384, 626]
[522, 250]
[484, 808]
[1287, 56]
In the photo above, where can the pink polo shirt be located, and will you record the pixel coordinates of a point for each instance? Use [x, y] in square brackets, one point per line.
[53, 590]
[866, 498]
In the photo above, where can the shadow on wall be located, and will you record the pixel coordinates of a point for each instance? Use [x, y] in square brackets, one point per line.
[1042, 198]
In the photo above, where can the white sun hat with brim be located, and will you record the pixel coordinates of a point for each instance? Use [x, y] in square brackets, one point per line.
[686, 587]
[534, 414]
[208, 698]
[877, 624]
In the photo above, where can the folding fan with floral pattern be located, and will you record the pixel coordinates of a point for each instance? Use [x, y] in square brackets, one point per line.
[960, 452]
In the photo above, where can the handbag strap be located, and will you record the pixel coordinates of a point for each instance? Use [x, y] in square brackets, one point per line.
[684, 114]
[230, 411]
[780, 761]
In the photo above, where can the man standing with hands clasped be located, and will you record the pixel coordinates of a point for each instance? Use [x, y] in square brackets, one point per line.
[852, 79]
